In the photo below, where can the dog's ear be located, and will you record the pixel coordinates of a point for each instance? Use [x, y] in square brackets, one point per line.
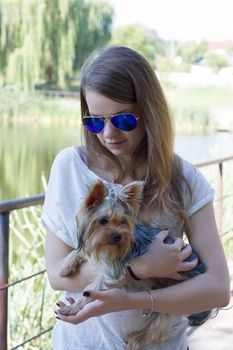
[96, 195]
[131, 194]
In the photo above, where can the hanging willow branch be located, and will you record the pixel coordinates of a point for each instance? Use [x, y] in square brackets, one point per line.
[46, 40]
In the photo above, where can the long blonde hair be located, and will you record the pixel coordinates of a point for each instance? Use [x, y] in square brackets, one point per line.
[123, 75]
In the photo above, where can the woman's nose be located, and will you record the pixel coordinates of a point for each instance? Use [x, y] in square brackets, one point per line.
[109, 128]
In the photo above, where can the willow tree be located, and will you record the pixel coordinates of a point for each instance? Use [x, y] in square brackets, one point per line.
[21, 39]
[42, 40]
[95, 29]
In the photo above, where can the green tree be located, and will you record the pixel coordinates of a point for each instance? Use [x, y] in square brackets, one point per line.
[19, 40]
[44, 40]
[94, 29]
[191, 51]
[141, 39]
[216, 61]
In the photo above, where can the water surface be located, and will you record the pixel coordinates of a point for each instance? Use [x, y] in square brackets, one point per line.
[27, 152]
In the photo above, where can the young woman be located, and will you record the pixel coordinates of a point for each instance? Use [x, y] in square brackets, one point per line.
[129, 136]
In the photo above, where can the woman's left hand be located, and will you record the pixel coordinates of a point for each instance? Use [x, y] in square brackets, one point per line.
[103, 302]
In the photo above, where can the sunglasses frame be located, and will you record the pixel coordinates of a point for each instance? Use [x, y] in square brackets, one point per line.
[108, 116]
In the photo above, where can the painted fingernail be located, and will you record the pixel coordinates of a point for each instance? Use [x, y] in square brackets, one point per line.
[86, 293]
[58, 304]
[58, 318]
[56, 312]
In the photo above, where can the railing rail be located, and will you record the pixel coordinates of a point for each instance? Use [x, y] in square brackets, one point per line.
[19, 203]
[5, 209]
[219, 174]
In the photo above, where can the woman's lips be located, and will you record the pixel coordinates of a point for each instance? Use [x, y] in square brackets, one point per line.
[115, 145]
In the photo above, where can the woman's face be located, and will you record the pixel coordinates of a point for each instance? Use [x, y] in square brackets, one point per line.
[121, 143]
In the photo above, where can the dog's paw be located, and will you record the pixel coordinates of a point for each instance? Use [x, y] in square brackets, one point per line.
[69, 309]
[72, 264]
[68, 271]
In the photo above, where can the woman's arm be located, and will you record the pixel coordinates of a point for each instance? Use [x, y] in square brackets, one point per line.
[56, 252]
[168, 260]
[208, 290]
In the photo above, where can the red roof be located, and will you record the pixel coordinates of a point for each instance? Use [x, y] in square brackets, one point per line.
[215, 45]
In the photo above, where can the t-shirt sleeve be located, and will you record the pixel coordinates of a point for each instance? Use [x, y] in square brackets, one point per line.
[202, 192]
[61, 199]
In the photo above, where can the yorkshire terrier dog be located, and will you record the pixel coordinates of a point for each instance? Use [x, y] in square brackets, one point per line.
[108, 233]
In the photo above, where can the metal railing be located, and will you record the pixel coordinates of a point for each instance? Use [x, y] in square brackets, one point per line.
[219, 191]
[7, 206]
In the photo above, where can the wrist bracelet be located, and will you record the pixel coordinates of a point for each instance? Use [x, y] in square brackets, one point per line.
[146, 313]
[132, 273]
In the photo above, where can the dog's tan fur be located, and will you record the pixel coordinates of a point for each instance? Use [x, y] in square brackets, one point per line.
[105, 230]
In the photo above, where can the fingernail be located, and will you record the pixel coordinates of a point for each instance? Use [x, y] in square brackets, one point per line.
[58, 318]
[86, 293]
[58, 304]
[56, 312]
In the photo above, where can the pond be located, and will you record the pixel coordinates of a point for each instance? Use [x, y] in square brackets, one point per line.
[27, 152]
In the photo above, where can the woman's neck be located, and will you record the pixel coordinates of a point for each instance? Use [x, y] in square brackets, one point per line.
[107, 168]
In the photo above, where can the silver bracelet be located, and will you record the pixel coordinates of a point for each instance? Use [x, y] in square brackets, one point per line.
[146, 313]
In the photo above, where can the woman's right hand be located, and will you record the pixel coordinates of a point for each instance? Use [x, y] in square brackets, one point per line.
[163, 260]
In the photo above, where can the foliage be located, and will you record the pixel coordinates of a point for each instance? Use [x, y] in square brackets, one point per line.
[164, 64]
[44, 40]
[191, 51]
[23, 107]
[31, 302]
[95, 30]
[194, 107]
[216, 61]
[141, 39]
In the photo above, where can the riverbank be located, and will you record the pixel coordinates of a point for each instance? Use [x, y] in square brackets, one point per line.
[195, 109]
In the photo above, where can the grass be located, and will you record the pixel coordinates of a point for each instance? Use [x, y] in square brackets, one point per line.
[193, 107]
[210, 97]
[31, 302]
[22, 107]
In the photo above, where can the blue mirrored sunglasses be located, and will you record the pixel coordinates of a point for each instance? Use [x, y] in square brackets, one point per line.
[122, 121]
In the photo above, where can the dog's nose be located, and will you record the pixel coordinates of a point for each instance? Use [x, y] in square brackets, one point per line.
[116, 237]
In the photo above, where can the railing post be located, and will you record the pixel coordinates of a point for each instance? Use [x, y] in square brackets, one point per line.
[4, 272]
[219, 197]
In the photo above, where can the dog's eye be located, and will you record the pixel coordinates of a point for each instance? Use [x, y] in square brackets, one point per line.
[103, 221]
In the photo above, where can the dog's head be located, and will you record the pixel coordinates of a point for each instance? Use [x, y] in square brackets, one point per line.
[106, 221]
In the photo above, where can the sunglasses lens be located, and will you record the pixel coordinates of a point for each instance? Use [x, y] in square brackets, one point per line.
[124, 122]
[93, 124]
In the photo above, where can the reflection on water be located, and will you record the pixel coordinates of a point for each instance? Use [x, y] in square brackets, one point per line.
[27, 152]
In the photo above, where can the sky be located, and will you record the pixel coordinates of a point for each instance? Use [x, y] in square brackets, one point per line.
[179, 19]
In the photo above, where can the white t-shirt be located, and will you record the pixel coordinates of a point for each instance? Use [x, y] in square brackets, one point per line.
[69, 181]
